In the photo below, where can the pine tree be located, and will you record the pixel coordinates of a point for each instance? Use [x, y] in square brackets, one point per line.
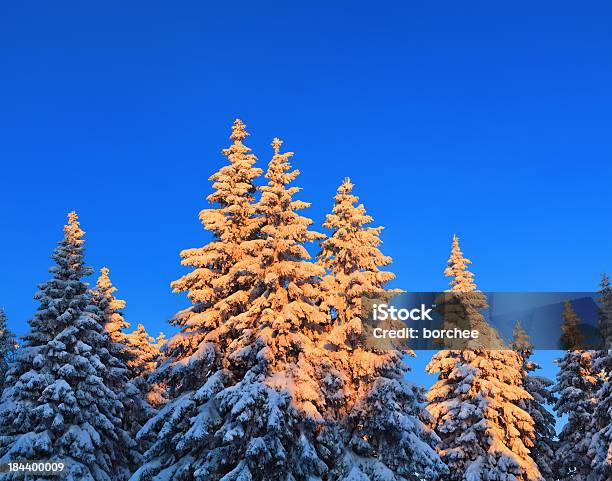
[231, 415]
[8, 346]
[103, 296]
[576, 387]
[379, 414]
[462, 279]
[58, 404]
[461, 305]
[571, 336]
[352, 257]
[543, 450]
[111, 308]
[127, 383]
[217, 290]
[484, 433]
[600, 449]
[275, 358]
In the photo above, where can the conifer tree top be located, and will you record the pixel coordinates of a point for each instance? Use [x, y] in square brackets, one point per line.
[233, 182]
[276, 145]
[239, 132]
[104, 283]
[520, 339]
[352, 252]
[463, 279]
[230, 219]
[69, 258]
[103, 296]
[72, 231]
[278, 174]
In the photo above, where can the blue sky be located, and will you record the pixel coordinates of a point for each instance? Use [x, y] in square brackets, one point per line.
[484, 119]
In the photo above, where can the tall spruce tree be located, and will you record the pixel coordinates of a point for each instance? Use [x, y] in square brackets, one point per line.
[379, 415]
[8, 346]
[227, 417]
[276, 358]
[217, 290]
[543, 450]
[484, 433]
[576, 388]
[352, 257]
[58, 404]
[600, 449]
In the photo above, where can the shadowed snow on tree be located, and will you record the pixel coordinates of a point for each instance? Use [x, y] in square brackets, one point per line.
[475, 404]
[600, 448]
[576, 386]
[59, 403]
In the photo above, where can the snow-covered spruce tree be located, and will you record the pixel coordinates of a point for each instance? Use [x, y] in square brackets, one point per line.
[8, 345]
[379, 414]
[352, 256]
[543, 450]
[111, 318]
[271, 411]
[126, 381]
[600, 449]
[460, 306]
[58, 404]
[216, 289]
[484, 434]
[576, 387]
[193, 365]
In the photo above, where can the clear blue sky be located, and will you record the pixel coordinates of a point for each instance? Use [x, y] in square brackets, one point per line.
[486, 119]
